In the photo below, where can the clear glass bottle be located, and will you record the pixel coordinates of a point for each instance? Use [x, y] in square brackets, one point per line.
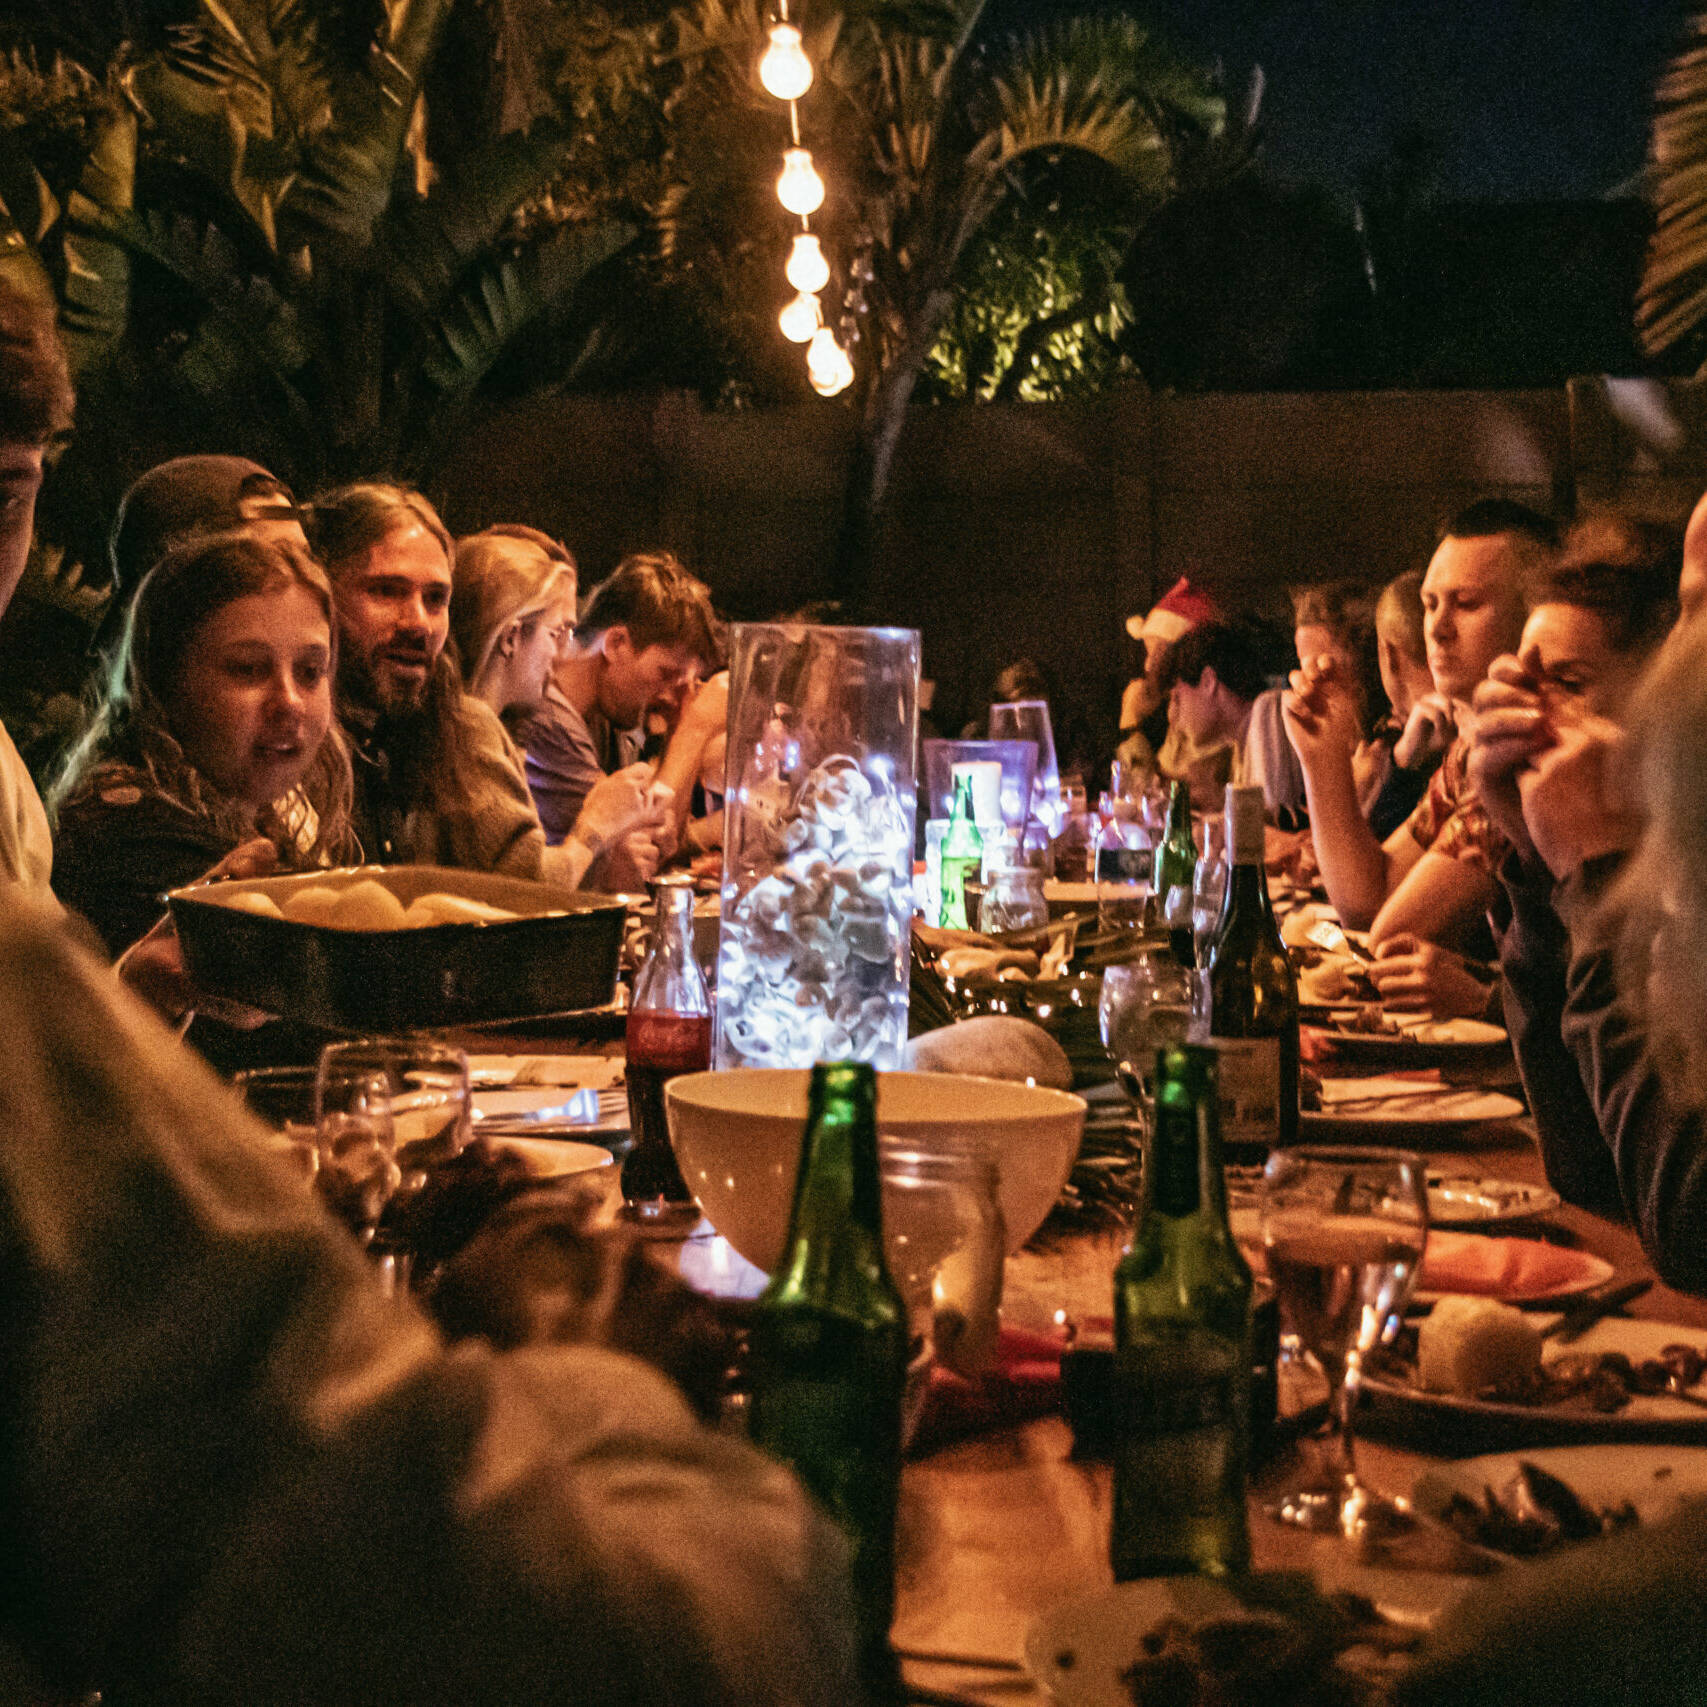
[1182, 1339]
[828, 1350]
[668, 1033]
[1253, 999]
[1124, 867]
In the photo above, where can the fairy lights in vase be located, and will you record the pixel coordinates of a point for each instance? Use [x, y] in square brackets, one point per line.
[786, 73]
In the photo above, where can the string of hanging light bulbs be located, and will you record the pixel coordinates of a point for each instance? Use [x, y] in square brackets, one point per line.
[786, 73]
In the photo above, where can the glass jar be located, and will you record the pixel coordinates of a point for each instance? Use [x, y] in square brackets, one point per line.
[818, 851]
[1013, 898]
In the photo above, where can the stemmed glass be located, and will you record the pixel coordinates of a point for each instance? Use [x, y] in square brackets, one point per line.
[1146, 1005]
[357, 1146]
[1208, 889]
[1344, 1231]
[1028, 720]
[944, 1243]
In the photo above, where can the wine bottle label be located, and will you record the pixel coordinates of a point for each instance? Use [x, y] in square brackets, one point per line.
[1124, 865]
[1250, 1089]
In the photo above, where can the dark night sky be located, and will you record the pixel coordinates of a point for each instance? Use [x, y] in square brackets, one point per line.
[1523, 99]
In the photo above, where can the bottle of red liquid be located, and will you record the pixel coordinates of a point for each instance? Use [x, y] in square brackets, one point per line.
[669, 1032]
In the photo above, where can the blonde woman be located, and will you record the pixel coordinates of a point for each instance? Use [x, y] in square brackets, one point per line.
[512, 606]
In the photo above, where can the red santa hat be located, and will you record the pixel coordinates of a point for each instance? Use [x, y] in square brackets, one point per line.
[1180, 609]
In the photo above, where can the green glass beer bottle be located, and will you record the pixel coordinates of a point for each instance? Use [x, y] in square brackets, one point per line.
[962, 857]
[1176, 865]
[1253, 999]
[828, 1350]
[1182, 1348]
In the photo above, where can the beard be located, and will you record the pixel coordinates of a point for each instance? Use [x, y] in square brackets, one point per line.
[369, 680]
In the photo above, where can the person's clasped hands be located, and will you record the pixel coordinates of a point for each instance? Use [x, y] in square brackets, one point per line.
[1414, 976]
[1548, 778]
[626, 826]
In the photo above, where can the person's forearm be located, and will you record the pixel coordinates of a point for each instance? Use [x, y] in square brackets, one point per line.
[1353, 863]
[1657, 1142]
[679, 767]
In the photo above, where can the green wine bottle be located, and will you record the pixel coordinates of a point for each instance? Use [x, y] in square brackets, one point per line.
[1176, 864]
[828, 1350]
[1253, 998]
[1182, 1348]
[962, 857]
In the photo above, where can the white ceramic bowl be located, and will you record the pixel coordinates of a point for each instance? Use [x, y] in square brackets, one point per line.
[737, 1137]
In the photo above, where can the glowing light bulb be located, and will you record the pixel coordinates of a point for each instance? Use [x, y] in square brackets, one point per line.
[799, 189]
[807, 269]
[801, 319]
[784, 69]
[827, 364]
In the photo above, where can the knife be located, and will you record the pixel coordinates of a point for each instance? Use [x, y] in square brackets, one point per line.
[1585, 1312]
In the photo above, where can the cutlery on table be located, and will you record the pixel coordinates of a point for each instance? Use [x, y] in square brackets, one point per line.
[1581, 1315]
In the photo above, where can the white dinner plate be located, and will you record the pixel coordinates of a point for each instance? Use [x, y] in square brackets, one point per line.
[1653, 1479]
[1360, 1104]
[1656, 1417]
[595, 1072]
[554, 1158]
[1076, 1651]
[1419, 1042]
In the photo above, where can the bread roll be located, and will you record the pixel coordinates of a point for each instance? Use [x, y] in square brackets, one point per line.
[313, 905]
[367, 906]
[1466, 1345]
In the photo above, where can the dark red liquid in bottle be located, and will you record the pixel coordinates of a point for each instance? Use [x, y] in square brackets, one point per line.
[660, 1046]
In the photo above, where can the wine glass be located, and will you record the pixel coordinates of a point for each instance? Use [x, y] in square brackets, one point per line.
[423, 1086]
[1344, 1232]
[1208, 889]
[1028, 720]
[1146, 1005]
[944, 1242]
[357, 1146]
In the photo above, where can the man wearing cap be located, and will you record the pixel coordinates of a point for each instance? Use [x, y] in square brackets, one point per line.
[176, 500]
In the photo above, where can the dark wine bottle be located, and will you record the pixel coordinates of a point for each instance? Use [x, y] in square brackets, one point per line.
[1253, 999]
[1182, 1348]
[1176, 864]
[828, 1350]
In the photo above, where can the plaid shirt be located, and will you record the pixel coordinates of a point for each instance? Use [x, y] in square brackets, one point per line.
[1450, 820]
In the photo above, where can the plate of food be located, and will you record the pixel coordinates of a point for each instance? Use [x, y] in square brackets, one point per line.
[1531, 1503]
[1465, 1200]
[1369, 1033]
[1395, 1100]
[1169, 1639]
[1478, 1370]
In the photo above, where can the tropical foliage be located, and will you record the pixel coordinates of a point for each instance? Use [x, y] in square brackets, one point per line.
[925, 131]
[1671, 311]
[260, 251]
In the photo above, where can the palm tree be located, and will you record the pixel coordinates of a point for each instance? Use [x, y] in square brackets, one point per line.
[1671, 306]
[260, 253]
[925, 131]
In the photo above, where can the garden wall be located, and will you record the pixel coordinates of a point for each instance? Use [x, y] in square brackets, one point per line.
[1036, 528]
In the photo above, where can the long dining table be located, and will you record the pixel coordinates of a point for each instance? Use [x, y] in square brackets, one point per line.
[999, 1528]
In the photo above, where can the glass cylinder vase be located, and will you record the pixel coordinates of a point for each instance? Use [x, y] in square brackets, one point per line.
[818, 845]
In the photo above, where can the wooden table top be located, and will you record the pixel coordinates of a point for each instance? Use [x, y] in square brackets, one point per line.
[997, 1529]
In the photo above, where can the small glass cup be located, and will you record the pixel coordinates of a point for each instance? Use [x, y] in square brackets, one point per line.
[283, 1098]
[357, 1144]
